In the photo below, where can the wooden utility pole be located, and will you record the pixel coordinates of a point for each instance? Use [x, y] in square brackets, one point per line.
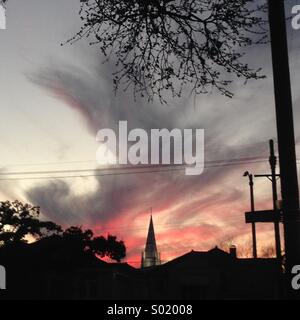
[273, 161]
[252, 207]
[286, 137]
[251, 184]
[273, 178]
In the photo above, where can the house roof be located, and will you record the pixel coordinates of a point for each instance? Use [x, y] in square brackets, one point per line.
[213, 254]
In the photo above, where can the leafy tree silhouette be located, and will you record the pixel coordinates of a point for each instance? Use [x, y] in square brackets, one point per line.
[109, 247]
[18, 221]
[85, 241]
[165, 45]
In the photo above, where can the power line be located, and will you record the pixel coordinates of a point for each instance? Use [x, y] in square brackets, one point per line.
[225, 161]
[130, 167]
[91, 175]
[173, 168]
[94, 161]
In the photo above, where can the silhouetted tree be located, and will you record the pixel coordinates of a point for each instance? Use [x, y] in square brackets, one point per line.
[78, 237]
[18, 220]
[165, 45]
[109, 247]
[84, 240]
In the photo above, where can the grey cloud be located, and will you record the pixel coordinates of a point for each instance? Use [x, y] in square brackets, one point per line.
[234, 128]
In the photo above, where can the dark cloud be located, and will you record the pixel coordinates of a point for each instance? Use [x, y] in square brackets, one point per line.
[233, 129]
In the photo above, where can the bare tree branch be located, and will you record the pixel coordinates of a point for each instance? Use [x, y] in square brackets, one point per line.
[168, 45]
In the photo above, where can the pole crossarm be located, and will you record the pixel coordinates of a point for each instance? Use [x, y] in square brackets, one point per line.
[263, 216]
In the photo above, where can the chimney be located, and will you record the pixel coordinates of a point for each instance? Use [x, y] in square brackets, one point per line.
[232, 251]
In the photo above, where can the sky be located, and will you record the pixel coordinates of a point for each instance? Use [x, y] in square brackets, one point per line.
[54, 99]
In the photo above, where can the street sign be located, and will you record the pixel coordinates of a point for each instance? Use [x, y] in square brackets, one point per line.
[263, 216]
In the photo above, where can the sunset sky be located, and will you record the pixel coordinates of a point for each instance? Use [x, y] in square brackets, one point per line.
[55, 98]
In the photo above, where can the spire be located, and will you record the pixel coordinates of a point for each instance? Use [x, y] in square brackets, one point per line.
[151, 242]
[150, 256]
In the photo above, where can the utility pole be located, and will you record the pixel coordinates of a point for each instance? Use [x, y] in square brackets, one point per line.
[251, 185]
[273, 178]
[273, 161]
[286, 138]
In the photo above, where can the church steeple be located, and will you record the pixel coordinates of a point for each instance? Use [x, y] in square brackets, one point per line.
[150, 257]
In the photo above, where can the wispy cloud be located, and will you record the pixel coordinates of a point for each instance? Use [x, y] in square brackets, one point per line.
[234, 128]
